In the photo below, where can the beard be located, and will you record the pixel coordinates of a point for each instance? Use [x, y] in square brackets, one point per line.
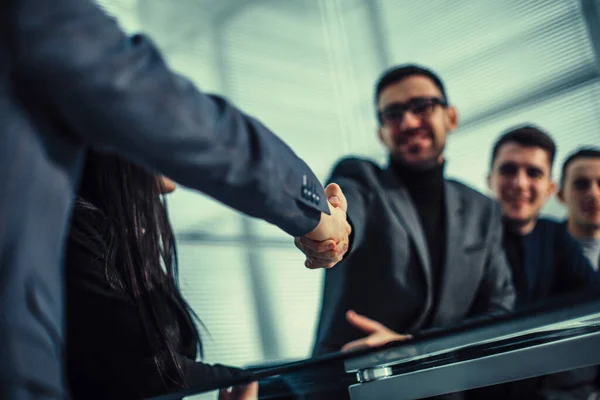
[434, 159]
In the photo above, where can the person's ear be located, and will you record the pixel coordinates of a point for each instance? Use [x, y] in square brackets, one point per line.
[451, 119]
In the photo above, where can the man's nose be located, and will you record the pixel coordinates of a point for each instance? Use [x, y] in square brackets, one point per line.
[520, 179]
[595, 189]
[410, 121]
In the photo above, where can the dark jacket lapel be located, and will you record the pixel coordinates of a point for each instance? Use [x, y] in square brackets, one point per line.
[453, 274]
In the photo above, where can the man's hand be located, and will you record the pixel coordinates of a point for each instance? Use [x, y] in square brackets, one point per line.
[326, 245]
[378, 334]
[245, 392]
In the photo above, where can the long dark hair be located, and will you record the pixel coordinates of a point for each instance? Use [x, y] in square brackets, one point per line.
[121, 216]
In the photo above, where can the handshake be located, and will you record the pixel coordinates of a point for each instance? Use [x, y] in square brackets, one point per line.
[326, 245]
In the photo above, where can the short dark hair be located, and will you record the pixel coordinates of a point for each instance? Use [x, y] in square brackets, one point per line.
[582, 152]
[528, 136]
[401, 72]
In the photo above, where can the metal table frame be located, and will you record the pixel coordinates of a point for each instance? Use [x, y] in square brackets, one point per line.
[571, 339]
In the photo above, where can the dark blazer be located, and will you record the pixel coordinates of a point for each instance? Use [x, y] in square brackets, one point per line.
[70, 78]
[108, 355]
[387, 274]
[554, 264]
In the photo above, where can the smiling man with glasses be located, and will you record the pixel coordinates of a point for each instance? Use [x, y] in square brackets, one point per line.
[425, 251]
[415, 130]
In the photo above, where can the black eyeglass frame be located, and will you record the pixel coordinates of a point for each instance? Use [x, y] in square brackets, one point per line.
[417, 106]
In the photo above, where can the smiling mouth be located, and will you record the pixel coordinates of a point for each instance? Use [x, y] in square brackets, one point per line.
[518, 202]
[415, 137]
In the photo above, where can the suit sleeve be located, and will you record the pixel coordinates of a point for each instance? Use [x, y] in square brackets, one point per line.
[496, 293]
[576, 270]
[117, 94]
[147, 382]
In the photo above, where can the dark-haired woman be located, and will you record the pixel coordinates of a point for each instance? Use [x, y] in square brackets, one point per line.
[130, 333]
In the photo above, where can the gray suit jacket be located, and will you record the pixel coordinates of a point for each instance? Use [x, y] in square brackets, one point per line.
[387, 274]
[70, 78]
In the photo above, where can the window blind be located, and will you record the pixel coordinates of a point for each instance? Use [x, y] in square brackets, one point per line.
[307, 70]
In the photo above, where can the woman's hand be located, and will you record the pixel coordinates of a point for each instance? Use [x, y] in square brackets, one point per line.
[244, 392]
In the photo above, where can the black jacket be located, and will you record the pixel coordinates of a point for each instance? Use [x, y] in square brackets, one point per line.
[387, 274]
[551, 263]
[108, 355]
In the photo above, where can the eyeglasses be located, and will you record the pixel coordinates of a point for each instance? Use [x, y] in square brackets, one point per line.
[418, 106]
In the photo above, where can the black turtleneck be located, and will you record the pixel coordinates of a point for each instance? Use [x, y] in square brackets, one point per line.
[426, 189]
[515, 253]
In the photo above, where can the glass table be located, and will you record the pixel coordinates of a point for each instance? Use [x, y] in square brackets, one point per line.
[560, 335]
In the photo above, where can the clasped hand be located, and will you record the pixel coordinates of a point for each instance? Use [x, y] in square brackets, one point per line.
[326, 245]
